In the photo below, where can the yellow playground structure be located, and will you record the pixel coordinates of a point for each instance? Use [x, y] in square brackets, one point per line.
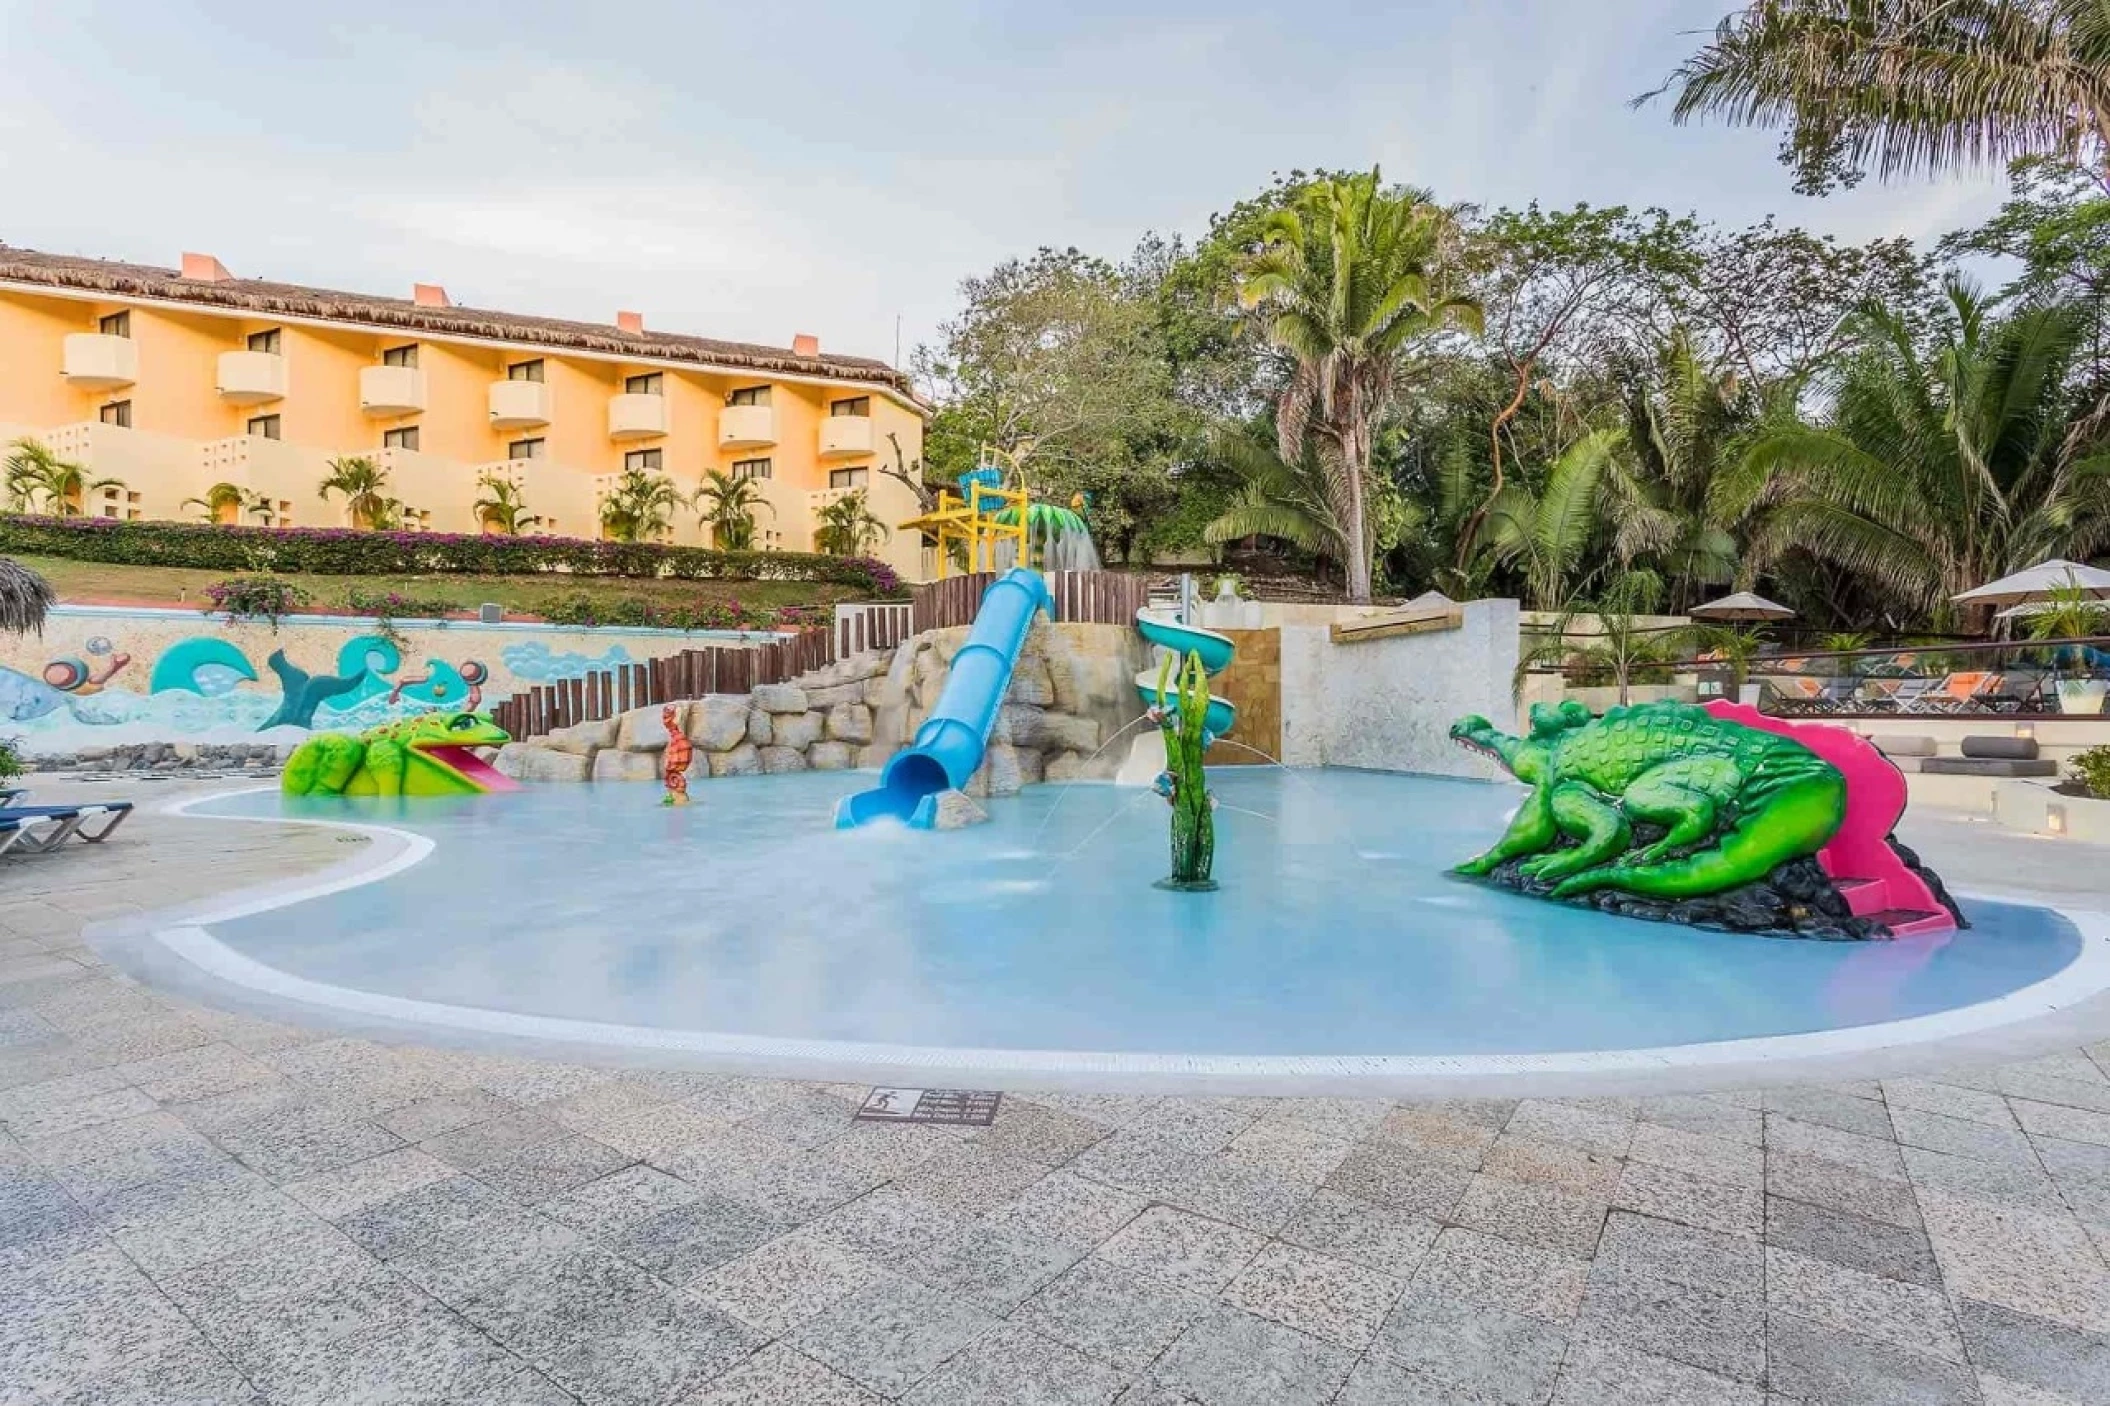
[991, 525]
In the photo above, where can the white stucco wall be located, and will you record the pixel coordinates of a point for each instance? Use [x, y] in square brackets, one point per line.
[1388, 704]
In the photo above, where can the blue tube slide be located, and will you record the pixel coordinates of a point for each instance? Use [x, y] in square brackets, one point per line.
[948, 747]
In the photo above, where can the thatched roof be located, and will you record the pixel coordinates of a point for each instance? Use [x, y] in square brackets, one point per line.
[255, 296]
[24, 597]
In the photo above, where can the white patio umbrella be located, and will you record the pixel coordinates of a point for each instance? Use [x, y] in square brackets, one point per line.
[2038, 583]
[1744, 605]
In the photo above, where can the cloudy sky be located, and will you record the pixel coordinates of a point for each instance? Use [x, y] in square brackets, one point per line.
[757, 169]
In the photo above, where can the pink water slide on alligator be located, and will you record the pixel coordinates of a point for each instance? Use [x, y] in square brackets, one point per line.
[1859, 858]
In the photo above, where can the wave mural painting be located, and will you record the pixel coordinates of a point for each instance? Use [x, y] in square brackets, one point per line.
[106, 677]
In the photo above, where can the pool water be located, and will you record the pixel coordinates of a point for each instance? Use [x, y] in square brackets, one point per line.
[1336, 930]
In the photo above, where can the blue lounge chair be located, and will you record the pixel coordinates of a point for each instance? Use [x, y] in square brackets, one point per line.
[20, 825]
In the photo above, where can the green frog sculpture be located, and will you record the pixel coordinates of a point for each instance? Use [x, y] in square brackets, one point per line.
[1181, 715]
[428, 755]
[1732, 802]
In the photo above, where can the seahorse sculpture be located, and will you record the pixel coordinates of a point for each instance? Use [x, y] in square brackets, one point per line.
[1179, 717]
[675, 760]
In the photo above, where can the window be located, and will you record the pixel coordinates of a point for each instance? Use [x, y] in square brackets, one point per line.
[649, 384]
[117, 412]
[524, 449]
[264, 341]
[856, 405]
[525, 370]
[401, 356]
[751, 468]
[264, 427]
[117, 324]
[846, 478]
[641, 458]
[405, 438]
[749, 395]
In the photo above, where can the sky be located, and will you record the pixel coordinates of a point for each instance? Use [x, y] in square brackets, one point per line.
[754, 170]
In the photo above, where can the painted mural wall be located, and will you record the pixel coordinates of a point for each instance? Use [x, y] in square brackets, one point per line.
[103, 676]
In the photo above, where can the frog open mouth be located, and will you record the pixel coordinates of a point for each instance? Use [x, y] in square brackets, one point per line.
[463, 762]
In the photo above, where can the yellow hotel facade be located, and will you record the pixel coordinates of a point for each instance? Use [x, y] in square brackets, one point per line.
[173, 381]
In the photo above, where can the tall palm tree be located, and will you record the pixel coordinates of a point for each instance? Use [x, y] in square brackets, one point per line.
[226, 504]
[728, 508]
[1345, 279]
[847, 527]
[640, 506]
[363, 484]
[1545, 536]
[1935, 473]
[1908, 86]
[35, 471]
[1276, 498]
[502, 509]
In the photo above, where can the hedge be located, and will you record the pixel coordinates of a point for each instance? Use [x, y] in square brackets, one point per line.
[336, 551]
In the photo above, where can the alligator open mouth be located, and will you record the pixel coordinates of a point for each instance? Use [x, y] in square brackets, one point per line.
[1474, 745]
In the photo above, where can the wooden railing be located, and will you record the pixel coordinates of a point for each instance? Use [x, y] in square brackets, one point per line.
[866, 625]
[689, 674]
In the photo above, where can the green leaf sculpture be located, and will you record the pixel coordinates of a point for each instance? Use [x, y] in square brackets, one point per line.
[1179, 716]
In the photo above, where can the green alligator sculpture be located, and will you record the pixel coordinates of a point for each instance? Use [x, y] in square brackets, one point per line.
[428, 755]
[1733, 801]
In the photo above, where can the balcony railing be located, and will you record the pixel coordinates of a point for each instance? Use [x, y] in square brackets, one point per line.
[845, 436]
[519, 405]
[637, 416]
[95, 362]
[251, 377]
[387, 391]
[2013, 678]
[747, 427]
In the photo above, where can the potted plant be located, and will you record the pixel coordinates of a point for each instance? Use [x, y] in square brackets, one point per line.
[2069, 612]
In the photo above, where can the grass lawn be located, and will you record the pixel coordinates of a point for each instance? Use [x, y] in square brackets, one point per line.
[105, 584]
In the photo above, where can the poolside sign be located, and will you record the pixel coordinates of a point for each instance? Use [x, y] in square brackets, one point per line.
[975, 1107]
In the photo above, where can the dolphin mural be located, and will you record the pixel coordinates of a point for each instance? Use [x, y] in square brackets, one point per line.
[304, 693]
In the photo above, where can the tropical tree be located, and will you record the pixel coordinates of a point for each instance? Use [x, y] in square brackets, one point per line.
[640, 506]
[1607, 634]
[227, 503]
[503, 508]
[728, 506]
[1345, 280]
[1910, 87]
[847, 527]
[1276, 497]
[1545, 536]
[35, 473]
[1937, 470]
[363, 484]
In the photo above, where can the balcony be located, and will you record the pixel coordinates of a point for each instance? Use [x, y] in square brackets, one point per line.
[519, 405]
[637, 416]
[94, 362]
[251, 377]
[846, 436]
[747, 427]
[388, 391]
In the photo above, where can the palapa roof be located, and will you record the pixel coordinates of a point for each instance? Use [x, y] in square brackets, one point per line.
[24, 597]
[261, 297]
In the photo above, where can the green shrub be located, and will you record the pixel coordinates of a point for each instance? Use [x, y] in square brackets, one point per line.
[347, 552]
[12, 764]
[391, 605]
[579, 608]
[2092, 769]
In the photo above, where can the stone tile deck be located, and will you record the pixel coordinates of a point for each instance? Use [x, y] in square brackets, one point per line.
[199, 1207]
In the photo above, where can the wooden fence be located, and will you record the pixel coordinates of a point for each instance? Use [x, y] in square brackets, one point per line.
[1094, 597]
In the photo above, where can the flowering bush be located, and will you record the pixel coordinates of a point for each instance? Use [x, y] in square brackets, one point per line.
[390, 605]
[335, 551]
[254, 598]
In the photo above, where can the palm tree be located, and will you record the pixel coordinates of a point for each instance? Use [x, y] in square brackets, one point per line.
[728, 506]
[1544, 536]
[1936, 472]
[502, 509]
[364, 486]
[1607, 634]
[225, 504]
[1909, 86]
[640, 506]
[35, 471]
[847, 528]
[1276, 498]
[1684, 424]
[1345, 280]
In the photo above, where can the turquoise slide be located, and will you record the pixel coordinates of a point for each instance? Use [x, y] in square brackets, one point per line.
[1163, 629]
[949, 745]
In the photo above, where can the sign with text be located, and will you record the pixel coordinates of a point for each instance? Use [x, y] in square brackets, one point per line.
[974, 1107]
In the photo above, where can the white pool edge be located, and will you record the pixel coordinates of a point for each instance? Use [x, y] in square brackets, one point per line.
[2087, 976]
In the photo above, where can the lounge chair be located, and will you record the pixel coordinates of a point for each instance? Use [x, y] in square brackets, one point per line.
[1958, 693]
[42, 829]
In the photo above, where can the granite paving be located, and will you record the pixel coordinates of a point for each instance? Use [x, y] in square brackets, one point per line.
[203, 1206]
